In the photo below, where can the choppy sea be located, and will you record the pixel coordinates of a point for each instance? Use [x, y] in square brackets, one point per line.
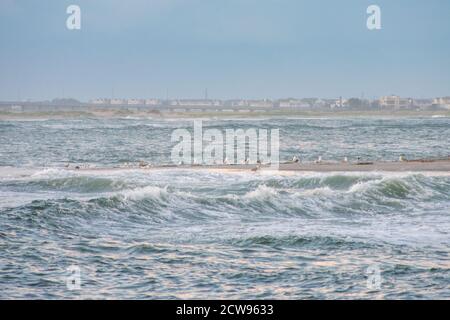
[192, 234]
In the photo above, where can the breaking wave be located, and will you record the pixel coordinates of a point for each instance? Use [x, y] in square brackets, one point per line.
[252, 196]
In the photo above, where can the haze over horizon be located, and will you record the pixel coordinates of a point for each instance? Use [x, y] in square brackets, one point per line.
[236, 49]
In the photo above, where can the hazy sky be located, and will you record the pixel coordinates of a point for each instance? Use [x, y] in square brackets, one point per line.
[235, 48]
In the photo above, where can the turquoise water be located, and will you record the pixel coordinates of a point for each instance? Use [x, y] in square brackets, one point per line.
[202, 234]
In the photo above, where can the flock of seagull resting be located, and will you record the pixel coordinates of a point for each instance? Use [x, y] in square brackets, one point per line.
[295, 159]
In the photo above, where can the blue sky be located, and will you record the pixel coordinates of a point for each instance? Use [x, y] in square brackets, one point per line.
[235, 48]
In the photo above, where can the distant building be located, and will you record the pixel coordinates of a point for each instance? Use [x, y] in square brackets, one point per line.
[265, 103]
[117, 101]
[100, 101]
[16, 108]
[152, 102]
[423, 103]
[195, 103]
[96, 101]
[135, 102]
[236, 103]
[338, 103]
[395, 102]
[292, 103]
[443, 102]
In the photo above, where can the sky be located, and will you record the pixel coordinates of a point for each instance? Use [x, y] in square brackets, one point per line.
[235, 48]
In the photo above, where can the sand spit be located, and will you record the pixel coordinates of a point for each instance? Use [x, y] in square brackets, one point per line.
[377, 166]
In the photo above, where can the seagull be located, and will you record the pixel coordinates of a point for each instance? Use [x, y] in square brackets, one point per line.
[143, 164]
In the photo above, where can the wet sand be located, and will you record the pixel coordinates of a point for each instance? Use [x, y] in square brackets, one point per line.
[398, 166]
[394, 166]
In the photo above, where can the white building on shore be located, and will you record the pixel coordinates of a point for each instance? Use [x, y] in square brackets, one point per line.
[443, 102]
[195, 103]
[395, 102]
[135, 102]
[265, 103]
[152, 102]
[118, 101]
[100, 101]
[293, 103]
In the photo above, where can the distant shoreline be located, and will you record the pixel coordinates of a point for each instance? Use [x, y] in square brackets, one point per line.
[112, 114]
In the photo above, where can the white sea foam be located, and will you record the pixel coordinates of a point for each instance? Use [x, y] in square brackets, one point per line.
[439, 116]
[144, 192]
[261, 193]
[362, 186]
[321, 191]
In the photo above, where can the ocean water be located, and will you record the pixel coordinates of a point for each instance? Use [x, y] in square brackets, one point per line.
[195, 234]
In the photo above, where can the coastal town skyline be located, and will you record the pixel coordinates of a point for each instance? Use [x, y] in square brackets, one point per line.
[389, 102]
